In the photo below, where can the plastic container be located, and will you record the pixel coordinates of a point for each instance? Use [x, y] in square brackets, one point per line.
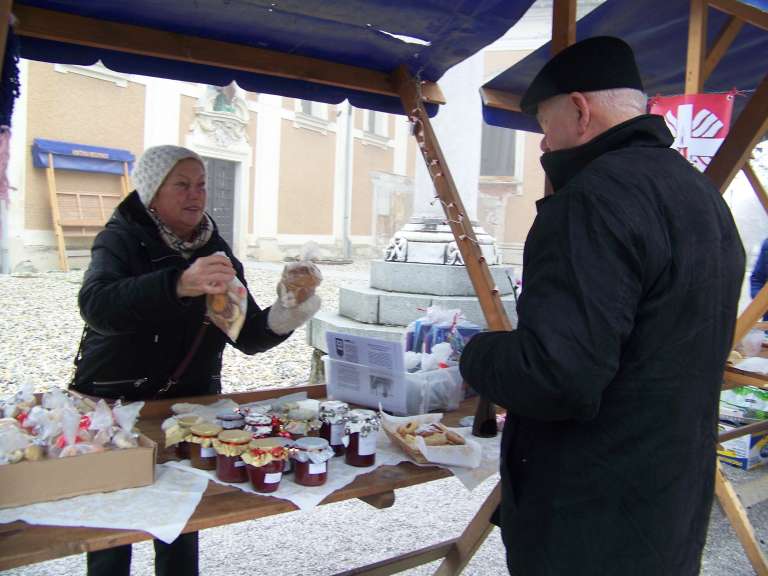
[265, 459]
[333, 414]
[363, 429]
[310, 456]
[201, 452]
[229, 446]
[434, 390]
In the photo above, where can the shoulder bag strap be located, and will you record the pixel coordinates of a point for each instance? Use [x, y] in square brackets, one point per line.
[182, 367]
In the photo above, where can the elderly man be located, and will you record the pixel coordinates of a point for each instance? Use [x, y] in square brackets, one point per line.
[632, 272]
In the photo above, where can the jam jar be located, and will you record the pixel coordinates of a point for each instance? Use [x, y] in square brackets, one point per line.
[286, 443]
[185, 422]
[311, 455]
[229, 447]
[264, 461]
[259, 425]
[201, 452]
[230, 420]
[301, 422]
[333, 415]
[363, 429]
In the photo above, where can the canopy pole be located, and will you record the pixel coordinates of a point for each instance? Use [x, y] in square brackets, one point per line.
[744, 135]
[697, 46]
[482, 281]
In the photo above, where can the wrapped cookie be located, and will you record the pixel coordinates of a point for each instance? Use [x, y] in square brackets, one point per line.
[227, 310]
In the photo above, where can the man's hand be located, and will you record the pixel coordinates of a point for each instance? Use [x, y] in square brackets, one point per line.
[207, 275]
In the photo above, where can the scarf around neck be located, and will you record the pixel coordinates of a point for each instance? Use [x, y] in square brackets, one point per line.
[186, 248]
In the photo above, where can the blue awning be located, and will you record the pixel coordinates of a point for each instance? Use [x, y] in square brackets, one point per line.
[71, 156]
[380, 35]
[657, 30]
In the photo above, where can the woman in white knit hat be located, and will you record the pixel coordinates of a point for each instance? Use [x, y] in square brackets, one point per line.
[143, 299]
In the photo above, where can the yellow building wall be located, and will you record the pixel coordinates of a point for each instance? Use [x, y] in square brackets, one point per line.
[186, 116]
[305, 203]
[367, 159]
[75, 108]
[251, 131]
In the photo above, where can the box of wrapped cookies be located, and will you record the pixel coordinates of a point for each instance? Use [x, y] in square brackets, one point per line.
[58, 445]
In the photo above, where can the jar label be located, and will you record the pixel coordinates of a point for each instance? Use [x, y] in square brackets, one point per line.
[208, 452]
[239, 464]
[337, 433]
[273, 478]
[366, 444]
[317, 468]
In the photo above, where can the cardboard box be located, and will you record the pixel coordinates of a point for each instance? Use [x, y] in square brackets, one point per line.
[51, 479]
[745, 452]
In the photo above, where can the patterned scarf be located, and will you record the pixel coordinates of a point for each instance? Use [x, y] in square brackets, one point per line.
[185, 247]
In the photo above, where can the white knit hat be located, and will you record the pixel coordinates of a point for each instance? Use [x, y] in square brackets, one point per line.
[154, 165]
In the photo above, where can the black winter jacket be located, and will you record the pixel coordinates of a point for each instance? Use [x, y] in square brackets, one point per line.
[137, 329]
[632, 272]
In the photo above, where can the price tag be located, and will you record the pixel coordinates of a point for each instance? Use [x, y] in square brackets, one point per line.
[273, 478]
[317, 468]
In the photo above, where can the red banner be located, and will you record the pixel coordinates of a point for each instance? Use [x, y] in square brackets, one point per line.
[699, 123]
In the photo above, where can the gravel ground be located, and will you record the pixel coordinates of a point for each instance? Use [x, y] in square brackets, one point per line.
[41, 329]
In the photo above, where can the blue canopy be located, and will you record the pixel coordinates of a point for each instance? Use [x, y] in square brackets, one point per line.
[71, 156]
[429, 36]
[657, 30]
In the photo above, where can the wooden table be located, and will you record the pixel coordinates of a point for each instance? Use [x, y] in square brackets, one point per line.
[22, 543]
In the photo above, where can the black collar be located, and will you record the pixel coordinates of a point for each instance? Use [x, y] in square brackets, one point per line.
[646, 130]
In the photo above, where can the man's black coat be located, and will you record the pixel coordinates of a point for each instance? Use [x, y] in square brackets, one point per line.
[632, 272]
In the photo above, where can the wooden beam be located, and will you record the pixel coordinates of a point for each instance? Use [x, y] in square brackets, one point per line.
[563, 24]
[50, 177]
[402, 562]
[73, 29]
[752, 313]
[472, 538]
[697, 46]
[733, 378]
[754, 428]
[737, 515]
[455, 213]
[745, 12]
[720, 47]
[500, 99]
[5, 21]
[750, 126]
[757, 186]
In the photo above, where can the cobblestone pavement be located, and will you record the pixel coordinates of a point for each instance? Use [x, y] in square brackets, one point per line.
[41, 328]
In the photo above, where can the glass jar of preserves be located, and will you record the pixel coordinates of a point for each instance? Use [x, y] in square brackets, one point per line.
[259, 425]
[201, 452]
[183, 424]
[229, 446]
[301, 422]
[264, 461]
[310, 460]
[363, 429]
[333, 415]
[230, 420]
[286, 443]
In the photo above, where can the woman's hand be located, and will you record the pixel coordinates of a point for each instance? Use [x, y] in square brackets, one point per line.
[206, 275]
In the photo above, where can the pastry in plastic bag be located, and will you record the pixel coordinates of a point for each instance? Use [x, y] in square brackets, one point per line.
[299, 279]
[227, 310]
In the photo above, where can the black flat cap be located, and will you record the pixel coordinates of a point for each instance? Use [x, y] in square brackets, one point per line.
[597, 63]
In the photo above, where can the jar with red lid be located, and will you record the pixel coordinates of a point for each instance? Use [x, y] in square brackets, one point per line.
[201, 452]
[229, 446]
[333, 415]
[230, 420]
[310, 460]
[259, 425]
[264, 461]
[363, 429]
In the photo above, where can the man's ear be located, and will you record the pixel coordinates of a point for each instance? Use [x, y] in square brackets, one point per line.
[584, 113]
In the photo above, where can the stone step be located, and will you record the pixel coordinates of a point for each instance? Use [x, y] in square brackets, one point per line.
[433, 279]
[324, 321]
[373, 306]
